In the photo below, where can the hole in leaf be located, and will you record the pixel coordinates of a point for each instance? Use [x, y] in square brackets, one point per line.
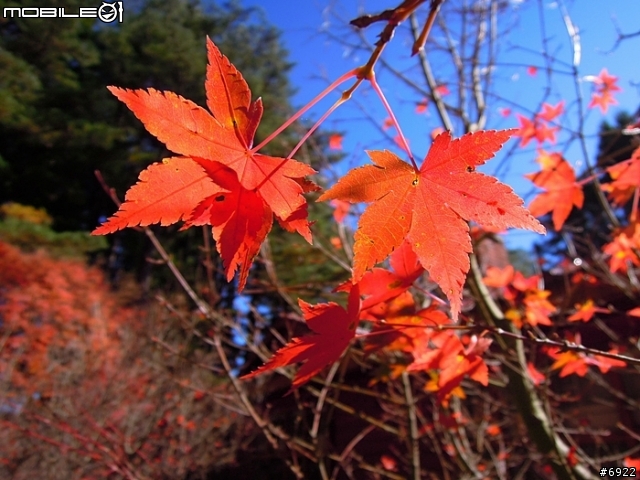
[219, 198]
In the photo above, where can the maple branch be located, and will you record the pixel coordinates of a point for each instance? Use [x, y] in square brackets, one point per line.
[419, 42]
[394, 18]
[413, 426]
[317, 414]
[352, 411]
[262, 424]
[564, 345]
[429, 78]
[265, 252]
[621, 36]
[346, 451]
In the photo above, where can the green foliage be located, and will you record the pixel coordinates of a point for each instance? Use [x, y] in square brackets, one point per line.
[31, 236]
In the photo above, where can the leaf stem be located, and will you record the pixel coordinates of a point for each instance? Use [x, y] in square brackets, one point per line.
[304, 109]
[403, 141]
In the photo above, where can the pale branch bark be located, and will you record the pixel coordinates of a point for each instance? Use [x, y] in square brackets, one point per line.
[425, 66]
[522, 389]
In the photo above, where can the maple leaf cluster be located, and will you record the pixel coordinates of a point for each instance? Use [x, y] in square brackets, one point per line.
[570, 362]
[623, 250]
[564, 192]
[539, 128]
[605, 87]
[220, 180]
[527, 302]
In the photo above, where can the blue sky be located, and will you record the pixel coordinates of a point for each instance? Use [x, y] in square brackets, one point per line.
[308, 25]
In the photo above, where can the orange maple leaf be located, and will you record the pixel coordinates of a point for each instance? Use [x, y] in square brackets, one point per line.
[334, 329]
[537, 307]
[220, 180]
[499, 277]
[586, 311]
[534, 129]
[626, 179]
[570, 362]
[623, 249]
[563, 193]
[429, 206]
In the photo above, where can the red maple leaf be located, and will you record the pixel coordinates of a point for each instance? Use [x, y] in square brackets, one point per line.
[335, 142]
[387, 123]
[341, 209]
[536, 377]
[442, 90]
[380, 285]
[221, 181]
[606, 82]
[334, 329]
[602, 100]
[429, 206]
[605, 87]
[551, 112]
[562, 191]
[632, 462]
[422, 105]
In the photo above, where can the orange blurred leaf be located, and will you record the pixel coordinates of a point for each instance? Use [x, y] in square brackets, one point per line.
[562, 192]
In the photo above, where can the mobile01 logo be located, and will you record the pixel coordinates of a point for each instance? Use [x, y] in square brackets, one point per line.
[108, 12]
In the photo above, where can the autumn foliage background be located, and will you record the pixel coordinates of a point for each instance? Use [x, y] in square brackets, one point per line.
[378, 328]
